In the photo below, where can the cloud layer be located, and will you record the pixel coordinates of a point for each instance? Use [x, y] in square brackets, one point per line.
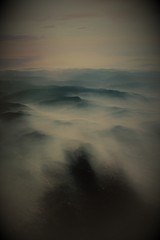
[79, 152]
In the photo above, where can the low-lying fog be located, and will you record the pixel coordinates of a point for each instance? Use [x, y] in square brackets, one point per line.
[79, 154]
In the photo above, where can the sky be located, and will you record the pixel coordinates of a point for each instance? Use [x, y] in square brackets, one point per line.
[60, 34]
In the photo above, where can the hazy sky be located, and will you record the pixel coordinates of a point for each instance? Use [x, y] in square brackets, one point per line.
[53, 34]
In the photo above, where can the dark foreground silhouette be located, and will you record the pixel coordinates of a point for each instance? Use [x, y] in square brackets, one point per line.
[86, 206]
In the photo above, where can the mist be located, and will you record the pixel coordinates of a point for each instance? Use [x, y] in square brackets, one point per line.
[80, 154]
